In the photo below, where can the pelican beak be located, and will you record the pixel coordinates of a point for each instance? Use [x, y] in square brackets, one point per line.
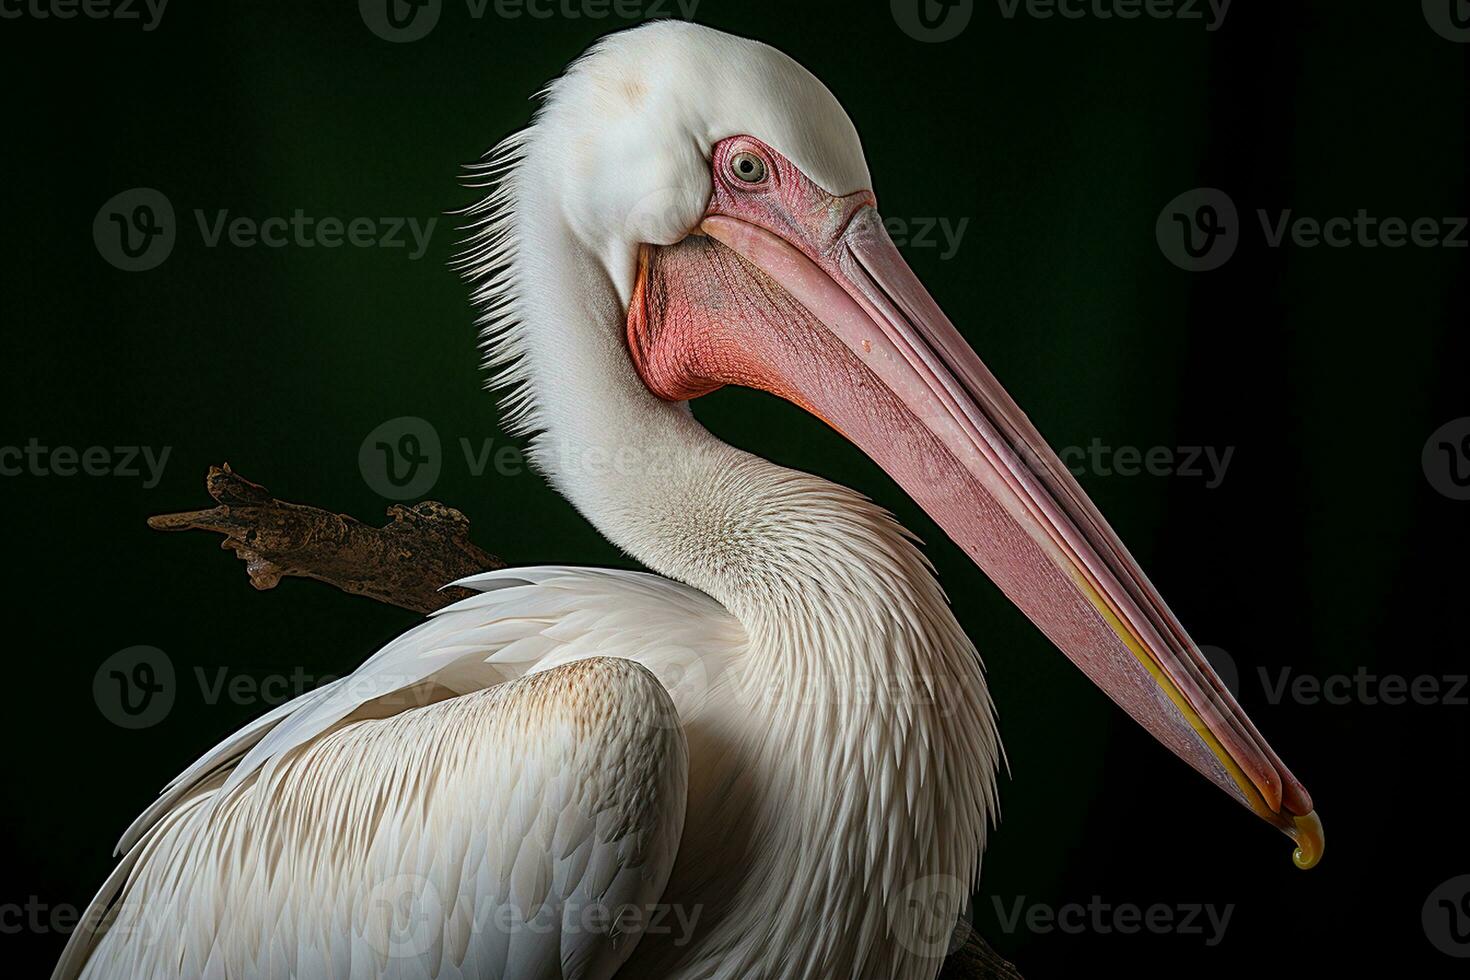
[822, 309]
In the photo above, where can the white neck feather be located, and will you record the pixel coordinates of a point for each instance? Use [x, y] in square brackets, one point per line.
[857, 751]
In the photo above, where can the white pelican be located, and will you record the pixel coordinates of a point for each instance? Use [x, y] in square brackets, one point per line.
[776, 757]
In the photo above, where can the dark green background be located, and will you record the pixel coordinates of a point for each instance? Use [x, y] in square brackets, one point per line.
[1324, 548]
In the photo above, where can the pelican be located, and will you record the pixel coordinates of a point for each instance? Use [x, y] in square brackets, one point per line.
[774, 754]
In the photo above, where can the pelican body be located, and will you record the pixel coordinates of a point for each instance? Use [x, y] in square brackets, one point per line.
[773, 755]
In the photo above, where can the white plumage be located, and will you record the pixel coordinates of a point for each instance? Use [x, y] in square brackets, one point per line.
[513, 752]
[467, 838]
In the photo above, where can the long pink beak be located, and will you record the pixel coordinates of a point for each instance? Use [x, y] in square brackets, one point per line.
[895, 376]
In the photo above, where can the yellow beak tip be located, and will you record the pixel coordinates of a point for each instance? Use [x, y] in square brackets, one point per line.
[1310, 843]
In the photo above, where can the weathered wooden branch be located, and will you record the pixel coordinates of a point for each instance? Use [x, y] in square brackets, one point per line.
[975, 960]
[403, 563]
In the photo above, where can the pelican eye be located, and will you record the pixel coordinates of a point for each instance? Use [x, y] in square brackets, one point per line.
[748, 167]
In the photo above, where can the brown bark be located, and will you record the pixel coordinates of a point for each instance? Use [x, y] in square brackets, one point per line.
[403, 563]
[975, 960]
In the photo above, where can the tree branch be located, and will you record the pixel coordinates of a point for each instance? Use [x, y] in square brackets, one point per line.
[403, 563]
[975, 960]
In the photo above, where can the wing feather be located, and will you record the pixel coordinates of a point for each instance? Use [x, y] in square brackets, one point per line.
[442, 768]
[474, 837]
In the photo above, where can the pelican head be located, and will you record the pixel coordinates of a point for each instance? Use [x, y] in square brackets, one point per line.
[691, 210]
